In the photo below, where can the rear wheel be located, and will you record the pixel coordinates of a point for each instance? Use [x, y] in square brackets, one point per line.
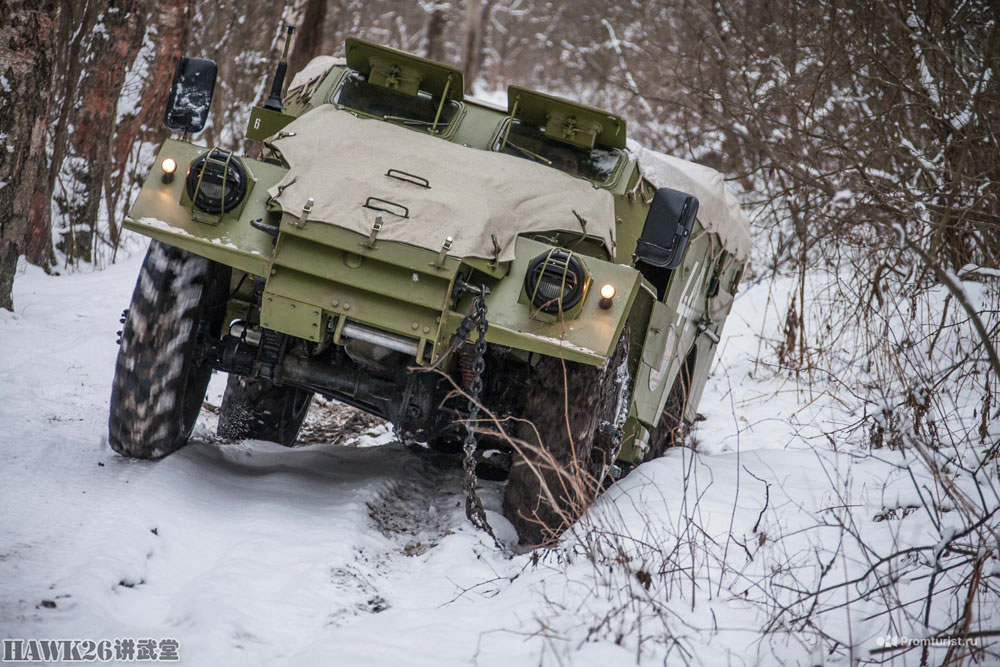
[260, 410]
[178, 304]
[568, 439]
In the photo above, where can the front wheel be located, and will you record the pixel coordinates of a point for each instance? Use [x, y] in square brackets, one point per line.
[566, 442]
[160, 381]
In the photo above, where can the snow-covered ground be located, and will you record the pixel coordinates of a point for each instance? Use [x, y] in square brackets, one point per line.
[358, 553]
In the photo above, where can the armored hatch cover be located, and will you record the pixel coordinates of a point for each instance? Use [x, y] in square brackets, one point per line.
[403, 71]
[566, 120]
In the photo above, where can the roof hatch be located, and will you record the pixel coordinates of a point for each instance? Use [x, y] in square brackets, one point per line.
[404, 72]
[567, 121]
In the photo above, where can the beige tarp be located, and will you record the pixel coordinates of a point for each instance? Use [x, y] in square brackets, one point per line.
[340, 161]
[315, 69]
[718, 209]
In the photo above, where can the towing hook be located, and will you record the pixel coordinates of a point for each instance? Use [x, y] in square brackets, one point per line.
[462, 287]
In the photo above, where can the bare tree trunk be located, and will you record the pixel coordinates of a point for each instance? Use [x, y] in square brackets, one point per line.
[113, 43]
[308, 38]
[169, 19]
[27, 30]
[476, 13]
[436, 22]
[233, 32]
[73, 21]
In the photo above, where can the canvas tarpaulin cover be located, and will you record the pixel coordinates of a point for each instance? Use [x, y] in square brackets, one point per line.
[340, 161]
[718, 209]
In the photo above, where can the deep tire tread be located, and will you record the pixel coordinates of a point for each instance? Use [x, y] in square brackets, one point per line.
[158, 386]
[594, 395]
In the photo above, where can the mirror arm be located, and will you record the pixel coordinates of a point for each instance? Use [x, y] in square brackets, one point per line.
[444, 96]
[506, 132]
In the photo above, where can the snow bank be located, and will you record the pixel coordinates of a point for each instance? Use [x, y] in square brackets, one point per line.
[254, 554]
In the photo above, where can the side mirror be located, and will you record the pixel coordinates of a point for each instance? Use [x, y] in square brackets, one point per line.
[668, 229]
[191, 95]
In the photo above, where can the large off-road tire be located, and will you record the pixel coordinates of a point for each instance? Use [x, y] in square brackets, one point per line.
[671, 429]
[571, 463]
[160, 381]
[259, 410]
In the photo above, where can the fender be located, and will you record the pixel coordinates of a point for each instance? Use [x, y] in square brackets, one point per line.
[588, 336]
[160, 213]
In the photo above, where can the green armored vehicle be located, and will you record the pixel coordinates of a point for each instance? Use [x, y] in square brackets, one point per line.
[405, 249]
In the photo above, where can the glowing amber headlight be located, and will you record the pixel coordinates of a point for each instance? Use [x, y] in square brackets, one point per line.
[607, 294]
[169, 166]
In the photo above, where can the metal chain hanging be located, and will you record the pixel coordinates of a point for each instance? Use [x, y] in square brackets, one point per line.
[473, 505]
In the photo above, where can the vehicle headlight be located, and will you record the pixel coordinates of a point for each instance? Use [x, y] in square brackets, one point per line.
[555, 281]
[216, 181]
[169, 166]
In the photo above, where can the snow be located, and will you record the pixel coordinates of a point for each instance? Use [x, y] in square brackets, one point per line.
[843, 198]
[562, 342]
[166, 226]
[314, 69]
[975, 270]
[496, 98]
[138, 72]
[616, 44]
[359, 552]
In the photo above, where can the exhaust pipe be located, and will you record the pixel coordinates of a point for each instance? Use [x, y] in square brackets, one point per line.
[381, 338]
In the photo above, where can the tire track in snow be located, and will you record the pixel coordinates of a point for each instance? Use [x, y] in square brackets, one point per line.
[255, 546]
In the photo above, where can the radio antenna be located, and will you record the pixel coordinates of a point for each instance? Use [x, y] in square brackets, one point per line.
[274, 99]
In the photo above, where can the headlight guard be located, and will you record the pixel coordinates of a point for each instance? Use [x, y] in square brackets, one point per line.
[556, 281]
[216, 182]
